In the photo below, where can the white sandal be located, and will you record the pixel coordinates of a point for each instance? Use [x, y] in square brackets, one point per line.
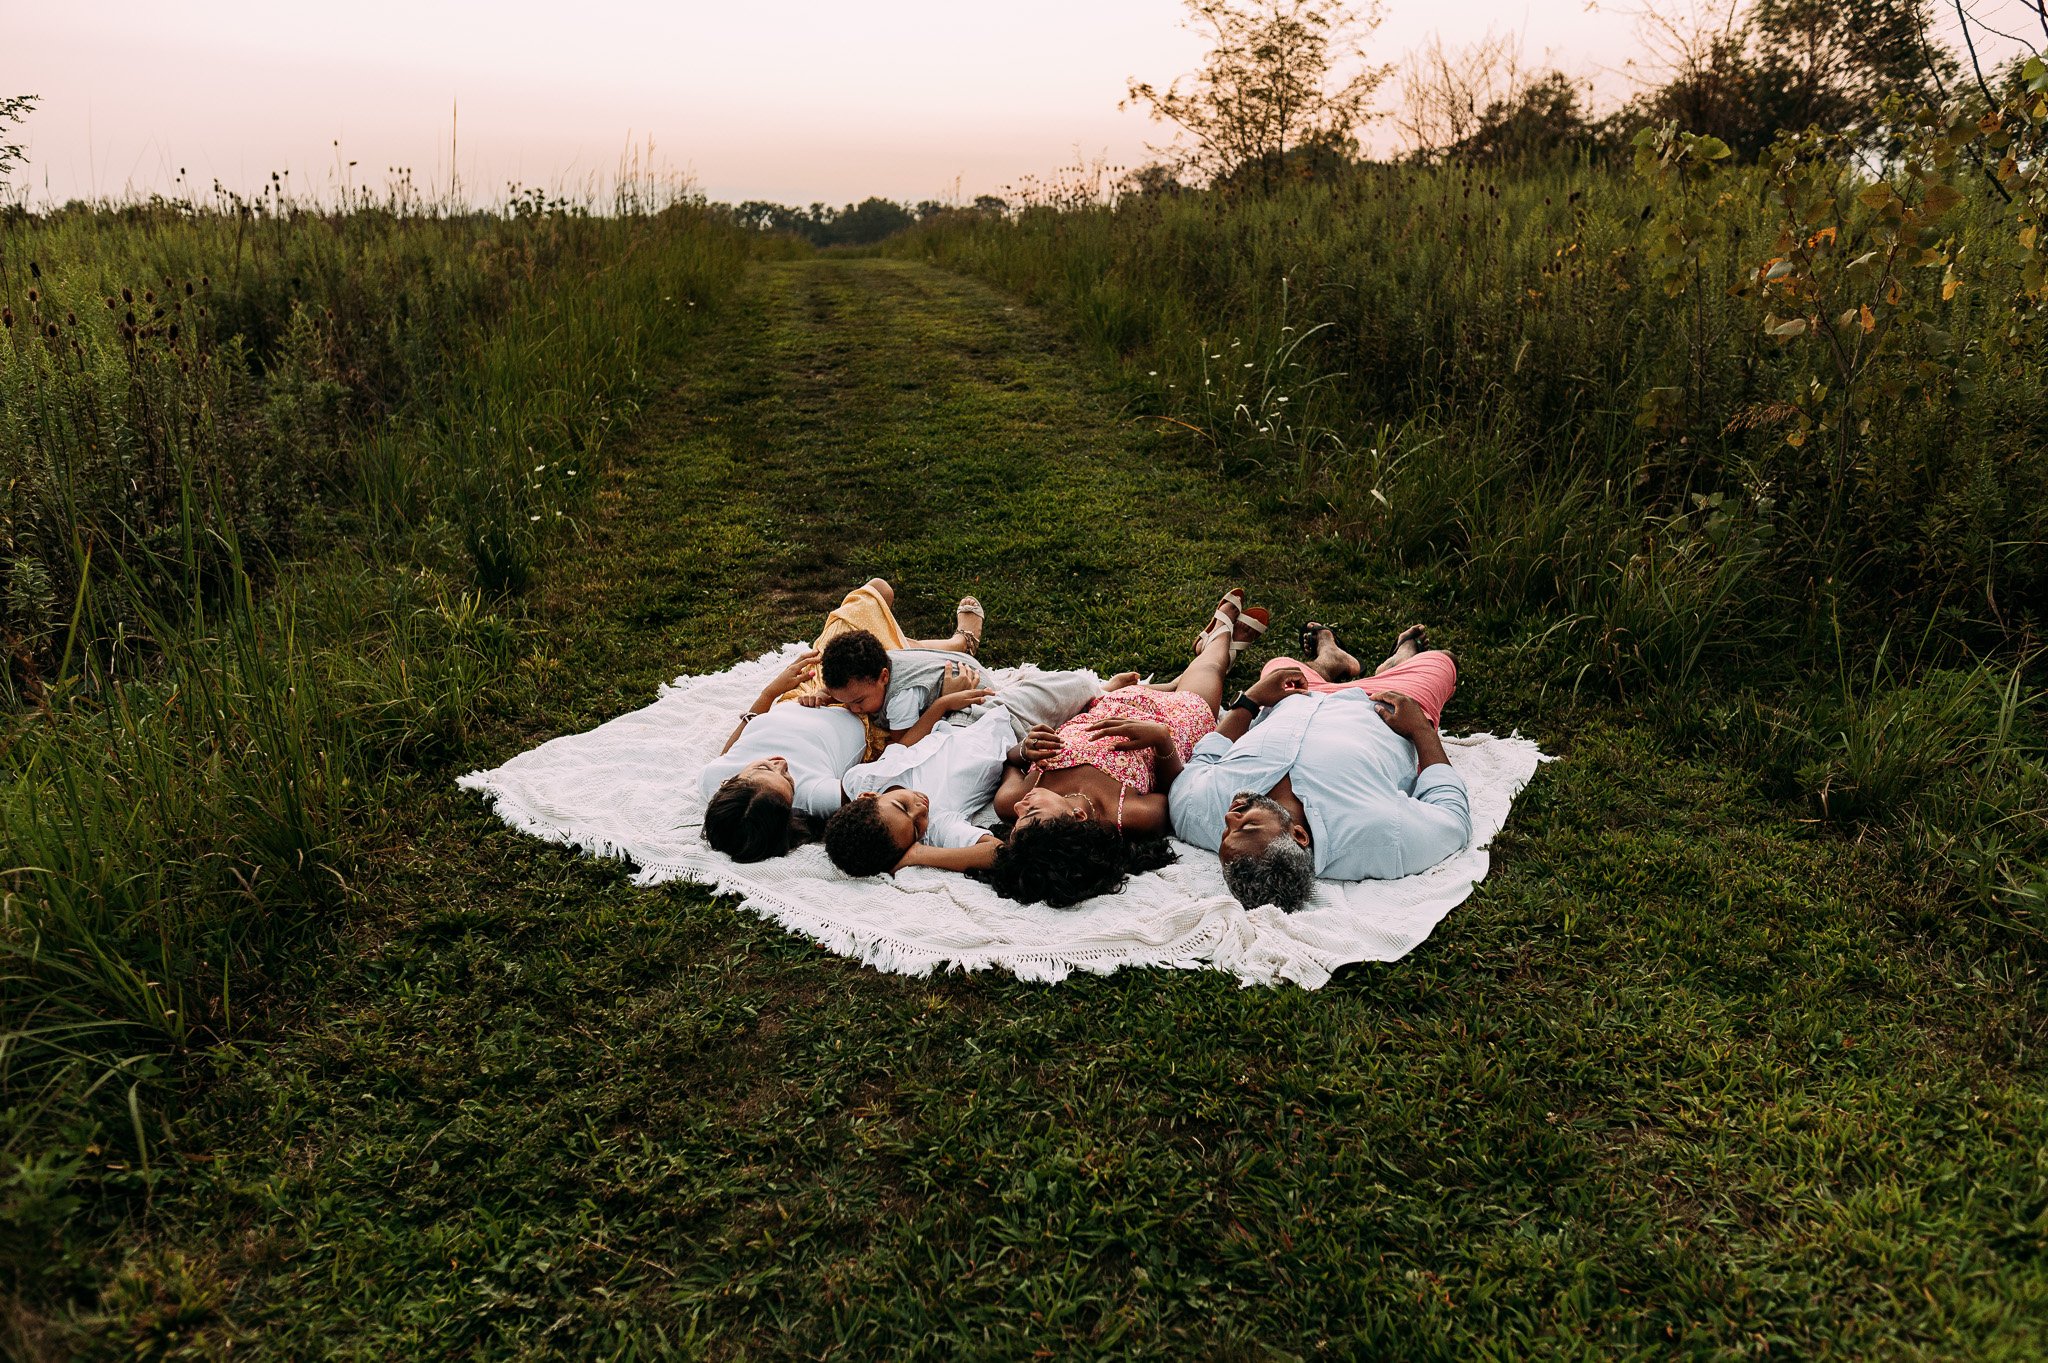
[1257, 619]
[1224, 621]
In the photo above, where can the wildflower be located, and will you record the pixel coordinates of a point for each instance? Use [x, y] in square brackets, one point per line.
[1247, 364]
[1153, 373]
[532, 518]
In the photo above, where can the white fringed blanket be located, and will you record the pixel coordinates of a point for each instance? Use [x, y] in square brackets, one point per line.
[628, 788]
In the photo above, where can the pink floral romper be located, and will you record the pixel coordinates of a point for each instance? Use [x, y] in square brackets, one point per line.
[1183, 712]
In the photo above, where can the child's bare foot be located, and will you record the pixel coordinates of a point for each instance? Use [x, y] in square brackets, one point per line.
[1413, 640]
[1322, 650]
[1120, 681]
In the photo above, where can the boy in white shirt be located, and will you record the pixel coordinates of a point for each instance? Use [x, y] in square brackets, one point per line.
[910, 806]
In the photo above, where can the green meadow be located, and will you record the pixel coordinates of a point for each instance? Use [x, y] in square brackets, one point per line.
[1733, 1054]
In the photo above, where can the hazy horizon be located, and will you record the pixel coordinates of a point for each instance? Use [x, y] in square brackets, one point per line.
[911, 100]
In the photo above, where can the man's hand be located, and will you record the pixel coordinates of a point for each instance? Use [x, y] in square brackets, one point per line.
[1277, 686]
[1132, 735]
[1404, 715]
[1406, 718]
[1042, 744]
[959, 677]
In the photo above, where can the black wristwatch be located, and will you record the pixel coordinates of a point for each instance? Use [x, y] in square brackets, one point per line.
[1246, 704]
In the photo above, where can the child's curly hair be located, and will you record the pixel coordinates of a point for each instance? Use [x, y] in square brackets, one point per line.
[859, 842]
[850, 657]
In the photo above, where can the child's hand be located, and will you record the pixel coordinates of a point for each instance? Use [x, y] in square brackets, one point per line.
[960, 700]
[814, 701]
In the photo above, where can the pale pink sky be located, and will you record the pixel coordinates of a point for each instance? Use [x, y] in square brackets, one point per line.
[795, 101]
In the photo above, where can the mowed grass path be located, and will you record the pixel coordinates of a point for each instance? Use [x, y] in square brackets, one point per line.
[1681, 1078]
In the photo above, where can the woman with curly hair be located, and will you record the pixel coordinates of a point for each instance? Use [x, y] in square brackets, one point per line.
[1087, 801]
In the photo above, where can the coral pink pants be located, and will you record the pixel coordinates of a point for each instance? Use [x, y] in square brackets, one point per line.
[1430, 677]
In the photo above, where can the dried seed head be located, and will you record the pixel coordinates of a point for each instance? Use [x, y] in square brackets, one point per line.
[33, 295]
[51, 331]
[111, 303]
[188, 288]
[7, 318]
[149, 295]
[35, 271]
[127, 294]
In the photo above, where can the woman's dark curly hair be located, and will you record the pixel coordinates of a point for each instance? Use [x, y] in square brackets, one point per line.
[850, 657]
[750, 824]
[1061, 862]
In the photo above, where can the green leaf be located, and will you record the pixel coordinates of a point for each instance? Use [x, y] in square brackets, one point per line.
[1876, 196]
[1712, 149]
[1941, 197]
[1793, 327]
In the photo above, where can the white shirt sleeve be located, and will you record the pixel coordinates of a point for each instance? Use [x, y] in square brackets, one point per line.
[819, 796]
[950, 830]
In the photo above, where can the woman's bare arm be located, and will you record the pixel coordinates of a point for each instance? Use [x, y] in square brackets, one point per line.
[795, 674]
[1016, 781]
[1145, 816]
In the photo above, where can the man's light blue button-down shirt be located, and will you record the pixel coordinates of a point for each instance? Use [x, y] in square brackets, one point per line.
[1371, 815]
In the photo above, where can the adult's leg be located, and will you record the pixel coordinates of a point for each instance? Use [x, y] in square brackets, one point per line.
[1429, 676]
[1413, 640]
[1048, 698]
[1205, 676]
[969, 620]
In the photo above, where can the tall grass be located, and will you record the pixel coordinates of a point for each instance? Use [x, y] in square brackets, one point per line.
[273, 483]
[1559, 387]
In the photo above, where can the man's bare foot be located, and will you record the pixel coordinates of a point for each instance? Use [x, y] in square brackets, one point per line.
[880, 587]
[1327, 656]
[1413, 640]
[969, 619]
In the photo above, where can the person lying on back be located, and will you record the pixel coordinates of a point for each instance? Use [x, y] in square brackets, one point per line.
[910, 806]
[1346, 780]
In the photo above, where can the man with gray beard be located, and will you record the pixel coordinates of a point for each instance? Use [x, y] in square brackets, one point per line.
[1339, 780]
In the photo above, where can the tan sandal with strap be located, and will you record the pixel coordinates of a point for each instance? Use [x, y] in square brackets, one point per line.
[971, 606]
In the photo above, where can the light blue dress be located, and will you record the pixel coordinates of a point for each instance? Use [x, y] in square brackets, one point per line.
[1371, 815]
